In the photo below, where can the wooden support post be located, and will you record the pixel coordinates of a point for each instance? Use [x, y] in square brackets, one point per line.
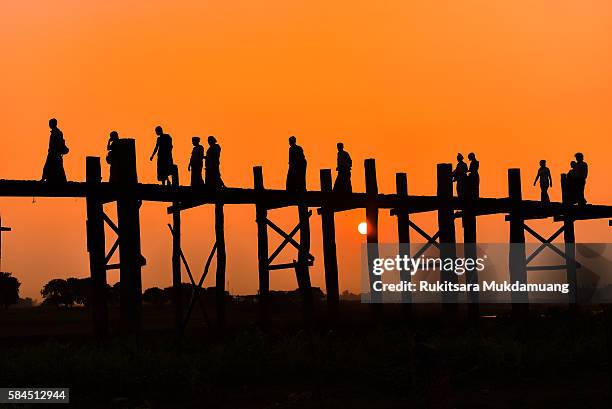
[128, 215]
[372, 230]
[330, 258]
[302, 267]
[177, 291]
[446, 225]
[403, 236]
[221, 263]
[518, 260]
[570, 245]
[262, 248]
[470, 251]
[96, 248]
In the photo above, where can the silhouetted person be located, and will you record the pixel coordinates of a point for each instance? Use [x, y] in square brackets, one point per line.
[113, 138]
[344, 165]
[545, 181]
[296, 176]
[473, 176]
[196, 162]
[572, 184]
[53, 171]
[212, 160]
[163, 149]
[582, 171]
[460, 176]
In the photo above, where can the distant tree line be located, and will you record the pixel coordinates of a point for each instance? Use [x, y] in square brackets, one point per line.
[9, 290]
[67, 292]
[77, 291]
[72, 291]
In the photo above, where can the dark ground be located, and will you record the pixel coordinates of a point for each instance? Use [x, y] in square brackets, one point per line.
[550, 360]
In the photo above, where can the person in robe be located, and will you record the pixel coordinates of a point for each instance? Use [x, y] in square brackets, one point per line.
[582, 171]
[53, 170]
[473, 176]
[296, 175]
[344, 164]
[212, 162]
[163, 150]
[460, 176]
[196, 162]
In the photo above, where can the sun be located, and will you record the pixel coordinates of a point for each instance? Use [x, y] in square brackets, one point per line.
[363, 228]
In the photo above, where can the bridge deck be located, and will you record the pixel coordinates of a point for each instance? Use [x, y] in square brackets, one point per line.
[274, 198]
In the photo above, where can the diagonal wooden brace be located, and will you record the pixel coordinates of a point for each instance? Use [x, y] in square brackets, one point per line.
[284, 243]
[288, 239]
[196, 286]
[112, 251]
[430, 240]
[545, 242]
[110, 223]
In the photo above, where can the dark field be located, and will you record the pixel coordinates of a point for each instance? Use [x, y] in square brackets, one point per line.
[550, 360]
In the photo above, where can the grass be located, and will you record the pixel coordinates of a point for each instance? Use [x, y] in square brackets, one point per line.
[553, 360]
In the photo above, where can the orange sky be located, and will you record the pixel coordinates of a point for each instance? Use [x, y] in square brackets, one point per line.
[407, 82]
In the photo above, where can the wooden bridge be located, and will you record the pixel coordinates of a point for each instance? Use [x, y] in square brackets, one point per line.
[129, 194]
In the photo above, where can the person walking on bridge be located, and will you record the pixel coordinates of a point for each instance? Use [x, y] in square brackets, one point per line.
[53, 171]
[111, 147]
[460, 176]
[212, 161]
[296, 176]
[582, 171]
[473, 176]
[344, 164]
[545, 181]
[196, 162]
[163, 149]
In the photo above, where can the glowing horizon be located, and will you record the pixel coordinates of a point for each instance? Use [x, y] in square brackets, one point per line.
[408, 83]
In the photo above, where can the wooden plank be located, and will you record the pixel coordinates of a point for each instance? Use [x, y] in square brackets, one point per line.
[546, 268]
[286, 266]
[274, 198]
